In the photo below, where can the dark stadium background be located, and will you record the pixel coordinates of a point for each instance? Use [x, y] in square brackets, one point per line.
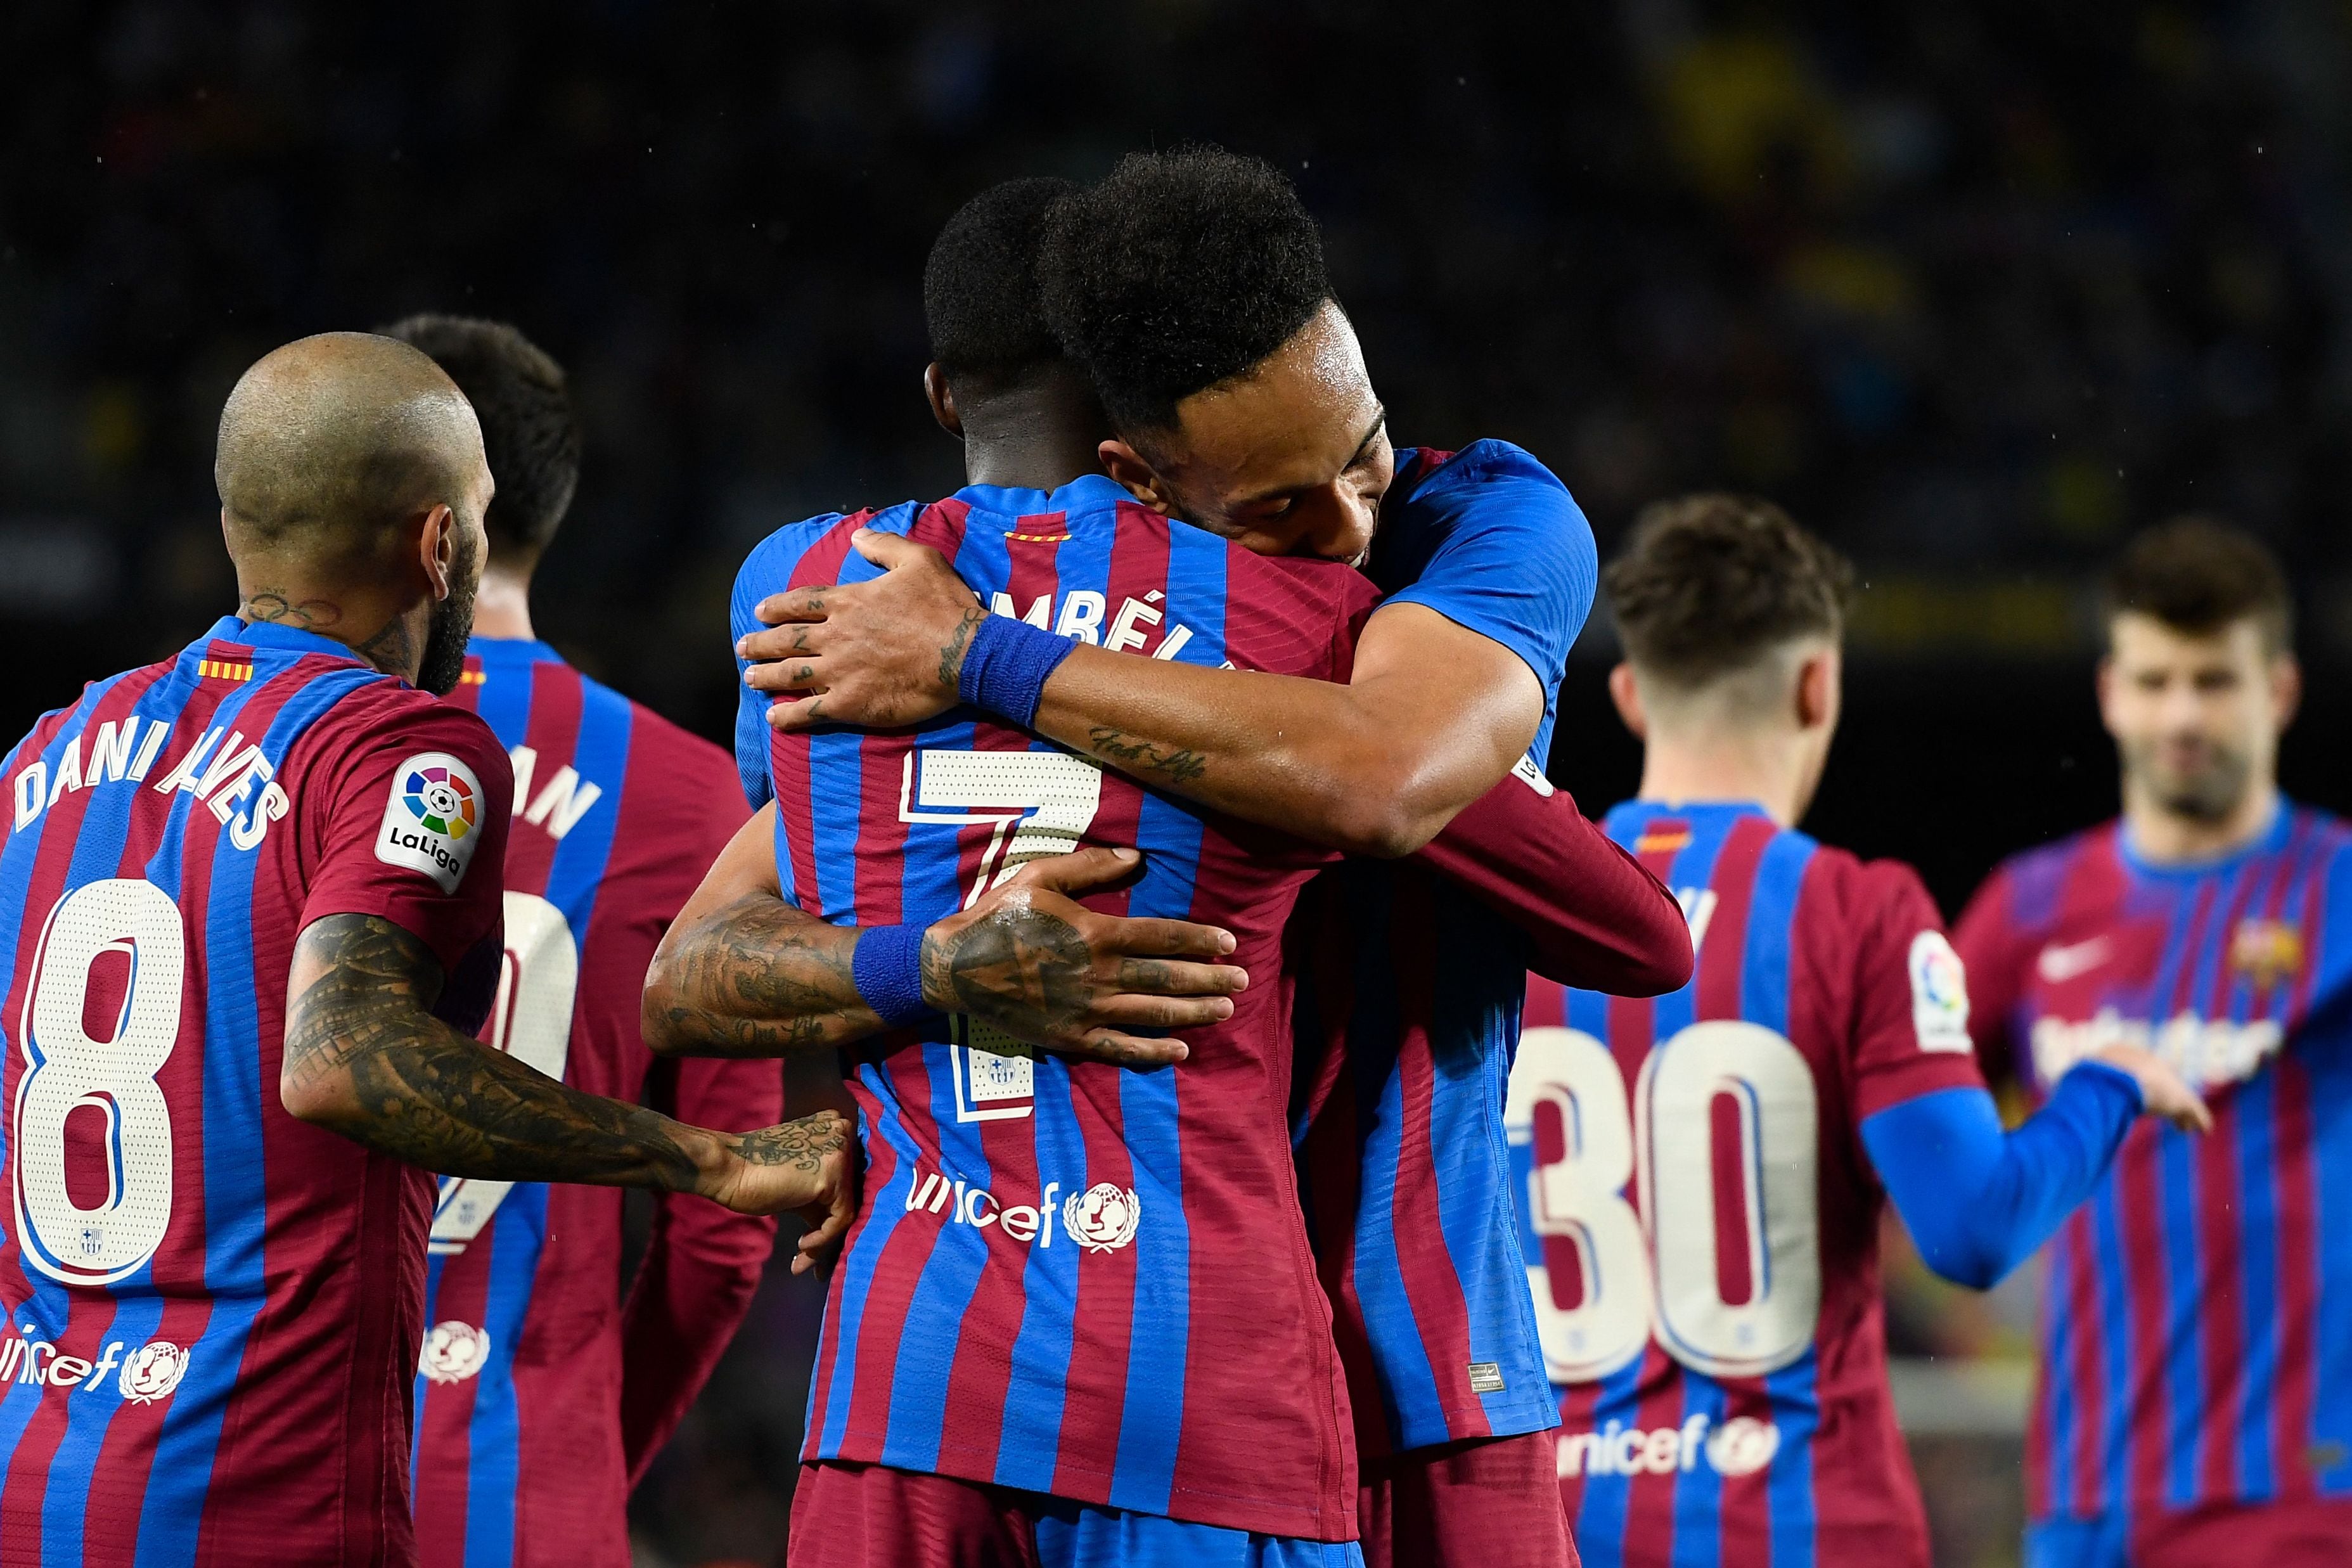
[1973, 289]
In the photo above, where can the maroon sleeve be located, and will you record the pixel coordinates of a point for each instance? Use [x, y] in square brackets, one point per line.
[409, 823]
[702, 1262]
[1995, 954]
[1597, 917]
[1911, 994]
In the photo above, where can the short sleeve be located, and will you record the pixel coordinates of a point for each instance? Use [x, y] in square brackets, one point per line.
[1492, 541]
[411, 826]
[1911, 995]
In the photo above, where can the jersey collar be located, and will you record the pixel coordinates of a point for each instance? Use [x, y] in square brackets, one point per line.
[269, 634]
[1088, 492]
[2269, 841]
[511, 651]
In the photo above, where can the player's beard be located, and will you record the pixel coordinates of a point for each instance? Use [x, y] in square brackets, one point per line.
[445, 633]
[2206, 791]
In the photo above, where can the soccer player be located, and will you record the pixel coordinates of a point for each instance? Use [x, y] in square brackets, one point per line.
[541, 1398]
[2195, 1400]
[1703, 1171]
[249, 907]
[1492, 566]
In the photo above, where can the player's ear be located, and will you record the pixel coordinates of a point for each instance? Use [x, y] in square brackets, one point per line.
[1124, 463]
[2286, 688]
[1817, 689]
[436, 548]
[941, 397]
[1627, 695]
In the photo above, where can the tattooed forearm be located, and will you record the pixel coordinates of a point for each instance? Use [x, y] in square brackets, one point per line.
[1138, 756]
[758, 978]
[365, 1057]
[952, 652]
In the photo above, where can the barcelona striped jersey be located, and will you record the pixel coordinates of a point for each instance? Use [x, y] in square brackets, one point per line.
[1066, 1276]
[524, 1447]
[214, 1310]
[1408, 1009]
[1700, 1218]
[2196, 1323]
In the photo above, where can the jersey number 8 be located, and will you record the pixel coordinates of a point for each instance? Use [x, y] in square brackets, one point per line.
[67, 1069]
[1659, 1272]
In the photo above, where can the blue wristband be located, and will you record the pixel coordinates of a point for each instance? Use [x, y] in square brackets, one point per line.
[1005, 668]
[887, 967]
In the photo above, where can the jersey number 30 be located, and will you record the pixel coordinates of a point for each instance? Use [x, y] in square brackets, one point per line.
[1721, 1107]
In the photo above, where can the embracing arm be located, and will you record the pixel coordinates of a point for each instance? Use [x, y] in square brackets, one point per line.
[1596, 918]
[365, 1057]
[1433, 717]
[745, 972]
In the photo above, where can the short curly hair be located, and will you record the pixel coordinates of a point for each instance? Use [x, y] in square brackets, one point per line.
[1705, 585]
[1178, 271]
[2197, 574]
[524, 406]
[980, 287]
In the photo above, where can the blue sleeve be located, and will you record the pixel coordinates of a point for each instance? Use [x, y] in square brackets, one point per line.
[1494, 542]
[1979, 1201]
[767, 570]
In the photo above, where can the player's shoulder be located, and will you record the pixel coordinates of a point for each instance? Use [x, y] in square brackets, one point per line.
[1423, 470]
[819, 543]
[1848, 893]
[373, 718]
[662, 743]
[2027, 889]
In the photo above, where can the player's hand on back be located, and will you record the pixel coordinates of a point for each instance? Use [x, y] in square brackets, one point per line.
[810, 1166]
[1031, 960]
[2161, 1090]
[881, 654]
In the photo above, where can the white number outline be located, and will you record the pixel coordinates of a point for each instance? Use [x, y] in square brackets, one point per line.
[66, 1070]
[1666, 1275]
[539, 987]
[1048, 800]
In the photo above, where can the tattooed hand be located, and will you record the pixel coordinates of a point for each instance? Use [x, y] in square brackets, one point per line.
[1049, 971]
[882, 654]
[809, 1165]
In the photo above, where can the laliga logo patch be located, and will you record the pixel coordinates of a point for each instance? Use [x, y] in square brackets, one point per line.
[432, 821]
[453, 1352]
[1102, 1218]
[1940, 993]
[153, 1371]
[1742, 1446]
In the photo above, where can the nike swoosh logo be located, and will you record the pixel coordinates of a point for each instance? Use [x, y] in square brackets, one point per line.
[2058, 965]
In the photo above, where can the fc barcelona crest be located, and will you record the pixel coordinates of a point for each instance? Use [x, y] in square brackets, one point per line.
[2265, 951]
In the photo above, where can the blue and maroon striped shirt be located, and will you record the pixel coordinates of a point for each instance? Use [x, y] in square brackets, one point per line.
[1701, 1220]
[1408, 1005]
[2197, 1322]
[523, 1454]
[213, 1310]
[1068, 1278]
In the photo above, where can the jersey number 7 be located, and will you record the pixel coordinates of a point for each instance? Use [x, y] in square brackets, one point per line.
[1034, 804]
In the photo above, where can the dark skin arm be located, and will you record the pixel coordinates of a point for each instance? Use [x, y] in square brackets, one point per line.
[365, 1057]
[744, 972]
[1433, 716]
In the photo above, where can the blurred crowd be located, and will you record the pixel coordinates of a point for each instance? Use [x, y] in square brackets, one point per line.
[1974, 289]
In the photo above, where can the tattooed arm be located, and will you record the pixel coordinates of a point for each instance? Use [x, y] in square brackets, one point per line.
[367, 1057]
[1433, 717]
[745, 972]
